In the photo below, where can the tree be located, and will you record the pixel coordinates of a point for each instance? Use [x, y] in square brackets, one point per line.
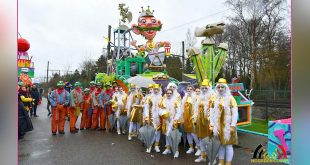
[174, 67]
[254, 34]
[190, 39]
[102, 62]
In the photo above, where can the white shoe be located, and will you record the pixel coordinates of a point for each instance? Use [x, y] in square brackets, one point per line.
[157, 149]
[167, 151]
[124, 132]
[190, 150]
[148, 150]
[198, 152]
[129, 138]
[200, 159]
[176, 154]
[214, 163]
[118, 132]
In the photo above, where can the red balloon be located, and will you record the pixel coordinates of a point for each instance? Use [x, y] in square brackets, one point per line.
[23, 45]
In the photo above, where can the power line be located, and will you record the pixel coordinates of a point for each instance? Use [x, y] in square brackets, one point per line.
[190, 22]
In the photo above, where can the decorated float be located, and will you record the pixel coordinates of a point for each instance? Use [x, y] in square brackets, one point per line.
[24, 62]
[147, 64]
[207, 63]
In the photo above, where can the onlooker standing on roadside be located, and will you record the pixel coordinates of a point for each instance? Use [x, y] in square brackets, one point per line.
[36, 95]
[48, 102]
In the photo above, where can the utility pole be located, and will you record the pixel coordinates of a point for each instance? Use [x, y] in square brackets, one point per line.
[48, 63]
[109, 37]
[183, 58]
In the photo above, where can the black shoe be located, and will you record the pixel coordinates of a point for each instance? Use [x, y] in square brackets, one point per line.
[53, 133]
[36, 116]
[62, 133]
[81, 128]
[48, 115]
[76, 129]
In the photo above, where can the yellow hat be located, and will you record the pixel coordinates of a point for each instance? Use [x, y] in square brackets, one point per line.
[205, 82]
[222, 80]
[156, 86]
[150, 86]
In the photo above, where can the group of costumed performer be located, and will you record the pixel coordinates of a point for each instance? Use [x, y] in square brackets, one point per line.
[209, 114]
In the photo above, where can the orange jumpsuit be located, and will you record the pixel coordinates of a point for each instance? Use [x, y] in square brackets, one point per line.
[96, 108]
[86, 119]
[59, 101]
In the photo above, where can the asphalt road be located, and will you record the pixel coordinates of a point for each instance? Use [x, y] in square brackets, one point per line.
[89, 147]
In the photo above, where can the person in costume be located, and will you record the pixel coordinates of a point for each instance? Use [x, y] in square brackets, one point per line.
[76, 99]
[170, 112]
[202, 117]
[60, 100]
[152, 112]
[26, 99]
[187, 108]
[224, 115]
[86, 104]
[174, 87]
[119, 102]
[92, 89]
[114, 86]
[146, 99]
[134, 110]
[107, 107]
[97, 109]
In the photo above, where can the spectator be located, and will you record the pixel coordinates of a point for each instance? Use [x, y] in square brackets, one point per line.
[36, 95]
[50, 90]
[26, 99]
[24, 122]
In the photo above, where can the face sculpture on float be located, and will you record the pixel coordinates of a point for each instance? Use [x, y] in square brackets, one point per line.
[148, 26]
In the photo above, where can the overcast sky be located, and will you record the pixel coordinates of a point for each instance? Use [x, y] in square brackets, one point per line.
[66, 32]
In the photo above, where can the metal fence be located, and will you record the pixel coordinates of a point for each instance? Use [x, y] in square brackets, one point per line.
[272, 98]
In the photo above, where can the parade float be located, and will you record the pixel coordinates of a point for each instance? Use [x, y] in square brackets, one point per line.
[24, 62]
[144, 66]
[207, 63]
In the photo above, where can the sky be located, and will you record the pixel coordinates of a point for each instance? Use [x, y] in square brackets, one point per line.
[66, 32]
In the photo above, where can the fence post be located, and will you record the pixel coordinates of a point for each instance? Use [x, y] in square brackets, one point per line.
[266, 104]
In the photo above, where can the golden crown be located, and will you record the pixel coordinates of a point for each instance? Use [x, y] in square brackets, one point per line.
[146, 12]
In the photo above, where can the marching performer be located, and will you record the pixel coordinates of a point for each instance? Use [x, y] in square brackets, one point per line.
[59, 99]
[202, 117]
[170, 108]
[224, 115]
[153, 115]
[174, 87]
[118, 106]
[96, 105]
[75, 105]
[92, 89]
[86, 104]
[187, 109]
[106, 109]
[134, 110]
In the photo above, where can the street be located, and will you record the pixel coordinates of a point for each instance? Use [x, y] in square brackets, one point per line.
[39, 147]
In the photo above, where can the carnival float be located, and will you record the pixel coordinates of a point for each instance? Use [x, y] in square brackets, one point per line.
[24, 62]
